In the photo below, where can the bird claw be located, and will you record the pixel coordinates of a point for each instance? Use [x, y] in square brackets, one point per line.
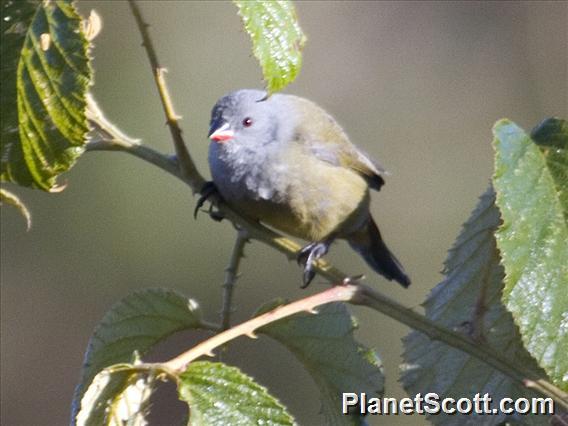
[308, 256]
[307, 276]
[206, 191]
[304, 253]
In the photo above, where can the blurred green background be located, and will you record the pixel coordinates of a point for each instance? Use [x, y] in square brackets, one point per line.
[418, 85]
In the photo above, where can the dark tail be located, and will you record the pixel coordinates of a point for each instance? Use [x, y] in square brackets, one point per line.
[369, 244]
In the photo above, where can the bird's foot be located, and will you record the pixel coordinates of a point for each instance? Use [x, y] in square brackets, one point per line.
[308, 256]
[207, 191]
[303, 254]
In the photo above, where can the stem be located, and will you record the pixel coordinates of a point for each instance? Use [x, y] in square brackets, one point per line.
[186, 171]
[141, 151]
[231, 276]
[186, 165]
[363, 295]
[104, 136]
[248, 328]
[369, 297]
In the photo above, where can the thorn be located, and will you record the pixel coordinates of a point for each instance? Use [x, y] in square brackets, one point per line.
[529, 383]
[210, 354]
[58, 187]
[353, 280]
[252, 335]
[312, 311]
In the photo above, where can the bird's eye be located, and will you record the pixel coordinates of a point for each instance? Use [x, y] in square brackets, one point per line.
[247, 122]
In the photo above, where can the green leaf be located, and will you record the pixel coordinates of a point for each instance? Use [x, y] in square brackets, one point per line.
[118, 396]
[552, 137]
[45, 77]
[277, 39]
[221, 395]
[13, 200]
[15, 18]
[552, 132]
[533, 241]
[325, 345]
[469, 299]
[135, 324]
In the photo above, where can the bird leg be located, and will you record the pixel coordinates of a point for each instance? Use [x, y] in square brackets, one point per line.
[207, 191]
[308, 256]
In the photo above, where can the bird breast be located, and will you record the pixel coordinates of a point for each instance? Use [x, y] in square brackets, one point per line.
[241, 172]
[290, 189]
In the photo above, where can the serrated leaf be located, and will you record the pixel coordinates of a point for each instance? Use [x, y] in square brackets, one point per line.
[45, 78]
[325, 345]
[118, 396]
[552, 132]
[469, 299]
[533, 241]
[136, 323]
[218, 394]
[13, 200]
[552, 137]
[277, 39]
[15, 18]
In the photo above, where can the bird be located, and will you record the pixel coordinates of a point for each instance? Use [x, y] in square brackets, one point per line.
[284, 161]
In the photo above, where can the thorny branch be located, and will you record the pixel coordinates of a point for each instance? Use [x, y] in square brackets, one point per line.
[185, 170]
[231, 276]
[248, 328]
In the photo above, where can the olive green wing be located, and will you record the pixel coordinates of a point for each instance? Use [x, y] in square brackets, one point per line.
[326, 140]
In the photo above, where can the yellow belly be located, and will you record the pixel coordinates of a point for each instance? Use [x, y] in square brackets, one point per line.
[320, 200]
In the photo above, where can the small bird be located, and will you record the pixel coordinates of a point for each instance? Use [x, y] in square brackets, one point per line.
[284, 161]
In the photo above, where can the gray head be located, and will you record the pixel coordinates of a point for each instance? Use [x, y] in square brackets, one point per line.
[247, 117]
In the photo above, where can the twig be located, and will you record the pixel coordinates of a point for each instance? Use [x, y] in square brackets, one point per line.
[231, 276]
[248, 328]
[187, 172]
[367, 296]
[359, 294]
[185, 162]
[526, 377]
[141, 151]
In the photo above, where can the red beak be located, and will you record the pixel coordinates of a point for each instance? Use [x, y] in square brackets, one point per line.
[222, 134]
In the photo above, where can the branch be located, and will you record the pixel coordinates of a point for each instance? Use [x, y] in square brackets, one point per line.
[186, 165]
[104, 136]
[231, 276]
[358, 294]
[366, 297]
[369, 297]
[248, 328]
[185, 170]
